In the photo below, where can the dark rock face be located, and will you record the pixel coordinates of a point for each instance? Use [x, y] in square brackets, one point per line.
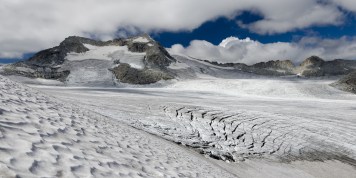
[53, 56]
[157, 56]
[311, 67]
[56, 55]
[38, 72]
[270, 68]
[124, 73]
[277, 68]
[315, 67]
[286, 64]
[137, 47]
[347, 83]
[312, 62]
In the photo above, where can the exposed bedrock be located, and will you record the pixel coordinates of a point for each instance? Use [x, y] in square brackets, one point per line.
[126, 74]
[347, 83]
[313, 66]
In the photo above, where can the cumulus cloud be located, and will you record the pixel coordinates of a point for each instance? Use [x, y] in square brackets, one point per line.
[235, 50]
[284, 16]
[43, 23]
[31, 25]
[346, 4]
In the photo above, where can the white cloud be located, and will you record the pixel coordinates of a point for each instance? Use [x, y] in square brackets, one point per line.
[346, 4]
[44, 23]
[31, 25]
[248, 51]
[280, 17]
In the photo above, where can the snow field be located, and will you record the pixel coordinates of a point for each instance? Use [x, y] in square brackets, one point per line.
[264, 130]
[43, 137]
[111, 53]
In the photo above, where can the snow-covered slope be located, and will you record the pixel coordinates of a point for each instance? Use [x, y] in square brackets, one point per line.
[296, 88]
[112, 53]
[43, 137]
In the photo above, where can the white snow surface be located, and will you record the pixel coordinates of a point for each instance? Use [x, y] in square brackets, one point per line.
[282, 88]
[90, 72]
[134, 59]
[95, 52]
[141, 40]
[111, 53]
[43, 137]
[35, 81]
[178, 65]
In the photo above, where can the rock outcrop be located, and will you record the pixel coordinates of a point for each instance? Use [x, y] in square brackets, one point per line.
[35, 71]
[347, 83]
[279, 67]
[127, 74]
[313, 66]
[316, 67]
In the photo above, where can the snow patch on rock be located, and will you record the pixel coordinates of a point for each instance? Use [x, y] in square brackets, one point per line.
[141, 40]
[108, 53]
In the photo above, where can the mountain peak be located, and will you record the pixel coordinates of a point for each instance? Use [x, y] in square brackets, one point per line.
[74, 39]
[142, 60]
[143, 38]
[312, 61]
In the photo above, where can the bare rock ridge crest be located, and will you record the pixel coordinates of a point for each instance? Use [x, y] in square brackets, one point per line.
[313, 66]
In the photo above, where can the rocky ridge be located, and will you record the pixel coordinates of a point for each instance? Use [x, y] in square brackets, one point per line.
[49, 63]
[313, 66]
[347, 83]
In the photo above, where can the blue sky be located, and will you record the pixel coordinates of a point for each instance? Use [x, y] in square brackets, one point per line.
[11, 60]
[273, 29]
[216, 30]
